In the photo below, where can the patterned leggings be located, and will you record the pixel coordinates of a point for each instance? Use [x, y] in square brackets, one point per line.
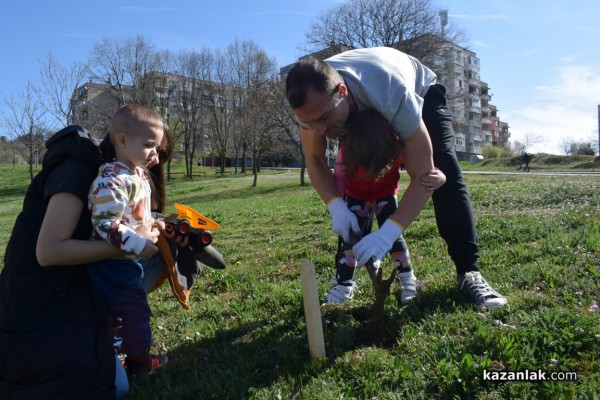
[366, 211]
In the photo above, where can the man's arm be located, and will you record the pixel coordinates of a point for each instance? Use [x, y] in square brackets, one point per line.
[314, 146]
[343, 221]
[418, 160]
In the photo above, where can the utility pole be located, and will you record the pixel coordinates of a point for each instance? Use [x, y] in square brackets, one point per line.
[444, 22]
[598, 129]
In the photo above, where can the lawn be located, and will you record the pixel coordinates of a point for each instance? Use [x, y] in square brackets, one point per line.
[245, 335]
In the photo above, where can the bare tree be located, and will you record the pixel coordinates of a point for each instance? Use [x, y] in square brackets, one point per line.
[284, 119]
[191, 99]
[58, 83]
[583, 148]
[528, 141]
[263, 132]
[125, 67]
[165, 87]
[164, 83]
[221, 103]
[412, 26]
[594, 142]
[23, 120]
[566, 145]
[251, 68]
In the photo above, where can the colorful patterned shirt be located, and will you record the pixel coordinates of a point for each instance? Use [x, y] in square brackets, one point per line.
[119, 201]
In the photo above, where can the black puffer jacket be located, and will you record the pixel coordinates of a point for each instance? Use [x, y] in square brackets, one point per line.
[55, 333]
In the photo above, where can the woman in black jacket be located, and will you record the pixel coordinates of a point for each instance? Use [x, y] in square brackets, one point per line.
[56, 339]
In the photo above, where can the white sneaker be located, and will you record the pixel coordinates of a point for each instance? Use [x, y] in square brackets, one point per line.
[408, 287]
[480, 291]
[339, 294]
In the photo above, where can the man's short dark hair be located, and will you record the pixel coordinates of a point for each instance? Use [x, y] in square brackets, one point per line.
[309, 73]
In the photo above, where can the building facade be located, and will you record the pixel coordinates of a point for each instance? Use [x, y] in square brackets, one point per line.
[93, 107]
[476, 121]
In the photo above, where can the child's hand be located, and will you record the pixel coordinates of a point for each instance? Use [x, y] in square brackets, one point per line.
[159, 223]
[149, 232]
[180, 241]
[149, 250]
[433, 180]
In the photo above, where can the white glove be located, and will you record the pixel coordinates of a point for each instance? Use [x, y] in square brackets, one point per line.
[342, 219]
[377, 244]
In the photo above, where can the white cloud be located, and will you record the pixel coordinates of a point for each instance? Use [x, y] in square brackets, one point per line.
[489, 17]
[479, 43]
[576, 85]
[553, 122]
[565, 109]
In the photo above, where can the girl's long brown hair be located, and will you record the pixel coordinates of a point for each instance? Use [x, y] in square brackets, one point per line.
[371, 143]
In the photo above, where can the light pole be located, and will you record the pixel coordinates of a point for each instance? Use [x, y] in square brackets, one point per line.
[443, 21]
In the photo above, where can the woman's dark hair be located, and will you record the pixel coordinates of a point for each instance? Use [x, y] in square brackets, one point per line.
[157, 172]
[370, 143]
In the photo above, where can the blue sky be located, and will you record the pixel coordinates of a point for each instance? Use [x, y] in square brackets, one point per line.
[540, 58]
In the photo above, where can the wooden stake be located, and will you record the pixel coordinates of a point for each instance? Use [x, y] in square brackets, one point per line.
[312, 310]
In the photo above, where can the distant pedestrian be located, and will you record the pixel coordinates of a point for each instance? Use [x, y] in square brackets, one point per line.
[526, 159]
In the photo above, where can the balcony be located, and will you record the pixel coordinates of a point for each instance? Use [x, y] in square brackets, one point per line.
[473, 81]
[474, 96]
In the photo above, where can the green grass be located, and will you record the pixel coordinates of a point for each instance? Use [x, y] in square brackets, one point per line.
[245, 337]
[539, 163]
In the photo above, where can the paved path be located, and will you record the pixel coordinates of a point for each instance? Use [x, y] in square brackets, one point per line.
[548, 173]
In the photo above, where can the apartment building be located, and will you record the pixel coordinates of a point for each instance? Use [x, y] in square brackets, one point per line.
[183, 102]
[476, 121]
[93, 107]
